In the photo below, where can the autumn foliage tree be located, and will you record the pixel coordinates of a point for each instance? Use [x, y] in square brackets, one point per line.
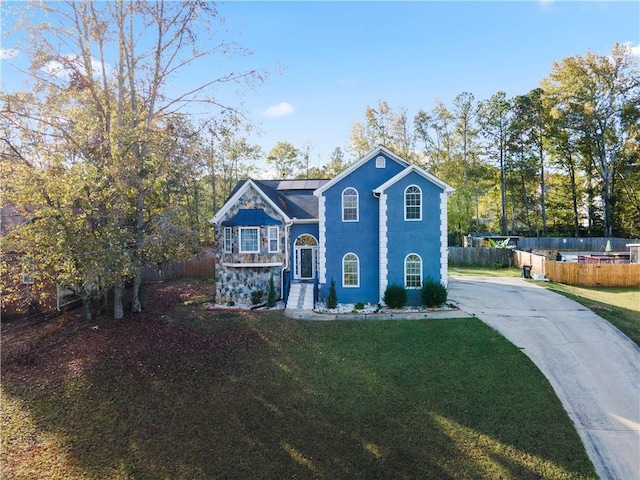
[92, 143]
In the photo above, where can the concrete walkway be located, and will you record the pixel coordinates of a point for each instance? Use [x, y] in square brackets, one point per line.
[593, 368]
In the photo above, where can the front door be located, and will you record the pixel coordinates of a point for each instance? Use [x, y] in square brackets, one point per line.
[306, 263]
[306, 253]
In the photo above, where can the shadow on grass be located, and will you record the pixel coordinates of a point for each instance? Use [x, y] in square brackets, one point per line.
[231, 395]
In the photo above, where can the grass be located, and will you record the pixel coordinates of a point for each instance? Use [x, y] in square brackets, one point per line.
[477, 271]
[237, 395]
[620, 306]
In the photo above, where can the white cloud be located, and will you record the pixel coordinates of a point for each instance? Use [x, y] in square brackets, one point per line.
[72, 62]
[282, 109]
[6, 53]
[634, 50]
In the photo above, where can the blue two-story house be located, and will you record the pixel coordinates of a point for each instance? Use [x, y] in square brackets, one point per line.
[380, 222]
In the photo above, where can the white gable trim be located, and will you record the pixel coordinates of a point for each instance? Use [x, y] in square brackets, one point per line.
[383, 251]
[220, 214]
[322, 242]
[444, 240]
[414, 168]
[372, 154]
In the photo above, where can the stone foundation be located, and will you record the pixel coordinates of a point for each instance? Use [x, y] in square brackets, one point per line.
[236, 284]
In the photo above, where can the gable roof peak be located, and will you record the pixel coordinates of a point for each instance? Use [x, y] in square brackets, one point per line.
[373, 153]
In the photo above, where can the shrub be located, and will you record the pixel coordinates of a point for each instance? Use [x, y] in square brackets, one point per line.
[256, 297]
[395, 296]
[271, 298]
[433, 293]
[359, 306]
[332, 299]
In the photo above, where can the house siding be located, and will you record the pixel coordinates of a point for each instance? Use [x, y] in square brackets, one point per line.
[360, 238]
[422, 237]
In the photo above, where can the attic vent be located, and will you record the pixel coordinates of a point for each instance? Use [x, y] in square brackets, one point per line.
[380, 162]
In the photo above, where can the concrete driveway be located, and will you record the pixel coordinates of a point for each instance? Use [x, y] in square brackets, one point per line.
[593, 368]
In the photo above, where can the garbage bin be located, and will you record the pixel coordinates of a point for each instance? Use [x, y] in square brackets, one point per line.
[526, 271]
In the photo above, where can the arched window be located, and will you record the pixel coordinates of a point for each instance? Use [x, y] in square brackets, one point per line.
[413, 203]
[350, 205]
[350, 270]
[413, 271]
[306, 240]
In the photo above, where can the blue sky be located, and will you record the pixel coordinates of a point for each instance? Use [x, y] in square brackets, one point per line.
[330, 60]
[339, 57]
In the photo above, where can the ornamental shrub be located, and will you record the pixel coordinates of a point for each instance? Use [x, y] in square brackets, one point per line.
[433, 293]
[332, 299]
[271, 298]
[256, 297]
[395, 296]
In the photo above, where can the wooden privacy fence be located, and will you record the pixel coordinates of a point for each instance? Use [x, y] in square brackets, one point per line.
[594, 275]
[196, 268]
[581, 274]
[480, 256]
[538, 263]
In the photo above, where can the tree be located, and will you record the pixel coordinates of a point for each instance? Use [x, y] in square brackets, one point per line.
[336, 163]
[383, 126]
[494, 116]
[598, 98]
[286, 160]
[100, 118]
[436, 130]
[529, 129]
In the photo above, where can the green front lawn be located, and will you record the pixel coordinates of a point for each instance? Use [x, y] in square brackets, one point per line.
[477, 271]
[620, 306]
[204, 394]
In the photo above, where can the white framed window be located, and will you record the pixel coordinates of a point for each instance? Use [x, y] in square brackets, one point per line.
[413, 271]
[249, 239]
[274, 239]
[228, 239]
[350, 205]
[381, 162]
[412, 203]
[350, 270]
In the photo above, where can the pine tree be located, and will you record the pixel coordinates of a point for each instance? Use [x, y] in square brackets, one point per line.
[332, 299]
[271, 299]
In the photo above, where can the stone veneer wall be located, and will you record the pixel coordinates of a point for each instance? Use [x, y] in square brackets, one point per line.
[236, 284]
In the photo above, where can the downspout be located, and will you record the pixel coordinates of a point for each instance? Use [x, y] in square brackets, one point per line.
[287, 240]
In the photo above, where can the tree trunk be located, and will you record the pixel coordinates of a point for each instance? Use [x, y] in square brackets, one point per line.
[118, 310]
[543, 203]
[86, 305]
[136, 306]
[503, 192]
[574, 197]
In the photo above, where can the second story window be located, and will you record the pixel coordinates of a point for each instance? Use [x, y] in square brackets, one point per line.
[413, 203]
[350, 205]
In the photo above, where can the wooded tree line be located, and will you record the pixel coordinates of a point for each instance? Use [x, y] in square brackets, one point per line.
[562, 159]
[111, 173]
